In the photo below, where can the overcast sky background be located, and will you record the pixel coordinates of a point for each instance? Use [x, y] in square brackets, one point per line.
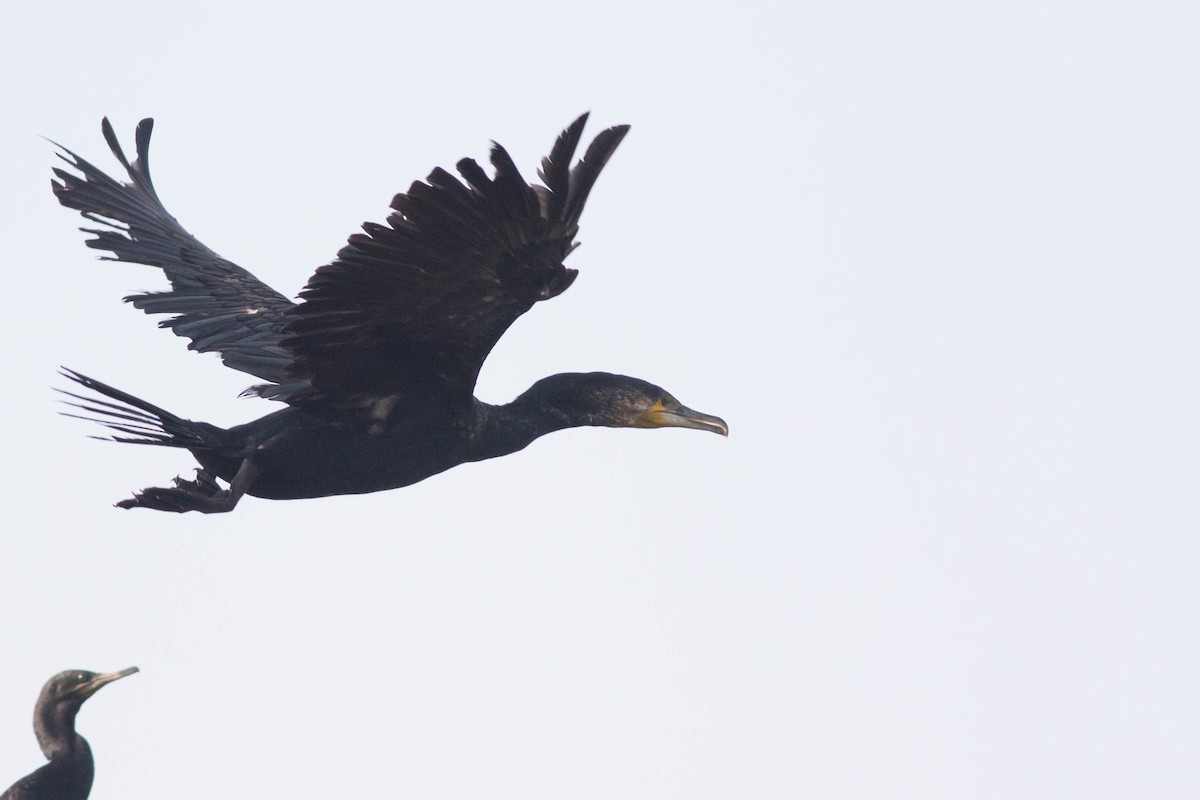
[935, 263]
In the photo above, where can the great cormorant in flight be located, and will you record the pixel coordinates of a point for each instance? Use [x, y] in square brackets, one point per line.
[69, 774]
[378, 361]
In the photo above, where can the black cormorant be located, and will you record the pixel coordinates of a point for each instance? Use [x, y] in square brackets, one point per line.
[69, 774]
[378, 362]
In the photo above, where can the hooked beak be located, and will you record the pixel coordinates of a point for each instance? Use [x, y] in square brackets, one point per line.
[680, 416]
[88, 689]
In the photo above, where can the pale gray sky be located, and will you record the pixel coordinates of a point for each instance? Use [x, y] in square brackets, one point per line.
[936, 264]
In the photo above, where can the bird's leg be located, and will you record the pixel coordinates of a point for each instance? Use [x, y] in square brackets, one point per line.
[202, 494]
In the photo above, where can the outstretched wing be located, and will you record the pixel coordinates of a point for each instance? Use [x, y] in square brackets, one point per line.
[217, 304]
[413, 307]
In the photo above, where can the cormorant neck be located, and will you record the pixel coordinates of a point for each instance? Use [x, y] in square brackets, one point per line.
[54, 726]
[514, 426]
[566, 400]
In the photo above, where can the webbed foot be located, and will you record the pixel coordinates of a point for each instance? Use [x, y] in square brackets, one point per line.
[202, 494]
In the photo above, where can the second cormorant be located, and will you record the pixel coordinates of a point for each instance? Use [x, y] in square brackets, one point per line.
[69, 774]
[378, 363]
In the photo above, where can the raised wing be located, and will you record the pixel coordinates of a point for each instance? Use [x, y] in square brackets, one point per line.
[415, 306]
[217, 304]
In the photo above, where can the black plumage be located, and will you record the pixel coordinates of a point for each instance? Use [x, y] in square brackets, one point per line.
[378, 362]
[69, 774]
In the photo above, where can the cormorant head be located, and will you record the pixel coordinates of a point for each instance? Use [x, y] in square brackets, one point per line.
[617, 401]
[60, 700]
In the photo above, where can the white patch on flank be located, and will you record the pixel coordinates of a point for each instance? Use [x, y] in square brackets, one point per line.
[380, 407]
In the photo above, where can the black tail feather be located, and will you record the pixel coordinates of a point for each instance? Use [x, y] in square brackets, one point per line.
[141, 422]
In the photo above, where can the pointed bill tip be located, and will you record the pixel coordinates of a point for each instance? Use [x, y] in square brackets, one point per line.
[683, 417]
[705, 422]
[86, 690]
[109, 677]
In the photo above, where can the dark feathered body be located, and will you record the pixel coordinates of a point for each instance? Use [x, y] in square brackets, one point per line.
[378, 363]
[303, 453]
[67, 778]
[317, 451]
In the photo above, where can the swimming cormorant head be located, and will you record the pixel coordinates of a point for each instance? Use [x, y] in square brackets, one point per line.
[615, 401]
[60, 701]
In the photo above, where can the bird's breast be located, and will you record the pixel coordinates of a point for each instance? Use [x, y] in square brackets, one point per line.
[320, 458]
